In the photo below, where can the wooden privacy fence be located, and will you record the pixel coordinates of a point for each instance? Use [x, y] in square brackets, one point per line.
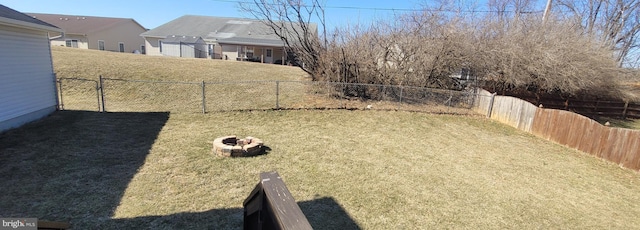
[509, 110]
[589, 108]
[271, 206]
[618, 145]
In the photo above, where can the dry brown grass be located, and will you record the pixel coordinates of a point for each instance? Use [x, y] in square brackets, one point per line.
[79, 63]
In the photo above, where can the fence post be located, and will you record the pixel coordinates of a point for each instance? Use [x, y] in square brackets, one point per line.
[449, 101]
[97, 87]
[277, 94]
[204, 102]
[383, 95]
[344, 94]
[624, 112]
[55, 90]
[401, 88]
[493, 96]
[340, 94]
[60, 94]
[102, 94]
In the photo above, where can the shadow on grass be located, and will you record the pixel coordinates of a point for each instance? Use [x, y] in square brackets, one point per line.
[74, 166]
[326, 213]
[322, 213]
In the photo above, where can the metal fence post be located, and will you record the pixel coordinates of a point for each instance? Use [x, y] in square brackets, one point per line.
[383, 95]
[97, 87]
[204, 102]
[61, 105]
[344, 95]
[339, 95]
[101, 86]
[277, 94]
[55, 90]
[493, 96]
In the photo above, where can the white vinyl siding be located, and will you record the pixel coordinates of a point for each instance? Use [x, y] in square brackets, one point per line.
[229, 52]
[170, 49]
[27, 83]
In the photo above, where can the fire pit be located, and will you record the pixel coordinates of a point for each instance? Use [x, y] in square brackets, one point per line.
[231, 146]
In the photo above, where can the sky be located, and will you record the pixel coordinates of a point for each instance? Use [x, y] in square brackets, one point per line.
[151, 14]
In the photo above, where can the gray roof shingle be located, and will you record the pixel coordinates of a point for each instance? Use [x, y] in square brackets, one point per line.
[77, 24]
[220, 29]
[9, 13]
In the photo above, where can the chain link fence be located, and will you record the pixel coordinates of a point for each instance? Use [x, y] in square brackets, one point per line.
[120, 95]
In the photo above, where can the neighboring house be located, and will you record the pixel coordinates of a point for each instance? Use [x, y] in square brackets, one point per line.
[225, 38]
[98, 33]
[27, 81]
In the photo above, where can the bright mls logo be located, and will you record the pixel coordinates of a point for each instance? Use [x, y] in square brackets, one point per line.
[19, 223]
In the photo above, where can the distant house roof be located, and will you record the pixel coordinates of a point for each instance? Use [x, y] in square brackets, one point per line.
[11, 16]
[220, 29]
[76, 24]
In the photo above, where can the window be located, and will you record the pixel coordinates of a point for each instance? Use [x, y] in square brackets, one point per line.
[269, 53]
[72, 43]
[160, 45]
[143, 49]
[100, 44]
[245, 52]
[121, 46]
[249, 52]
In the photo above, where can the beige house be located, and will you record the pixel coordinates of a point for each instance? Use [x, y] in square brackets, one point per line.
[99, 33]
[237, 39]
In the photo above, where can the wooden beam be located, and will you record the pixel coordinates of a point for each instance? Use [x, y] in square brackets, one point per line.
[271, 206]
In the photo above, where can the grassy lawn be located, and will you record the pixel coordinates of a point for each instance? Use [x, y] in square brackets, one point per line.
[347, 170]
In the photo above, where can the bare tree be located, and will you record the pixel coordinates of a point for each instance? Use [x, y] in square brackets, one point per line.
[291, 20]
[615, 23]
[508, 48]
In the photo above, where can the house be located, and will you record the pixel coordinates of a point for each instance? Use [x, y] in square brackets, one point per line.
[27, 81]
[98, 33]
[225, 38]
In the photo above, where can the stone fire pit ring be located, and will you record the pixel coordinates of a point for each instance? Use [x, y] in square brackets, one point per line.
[231, 146]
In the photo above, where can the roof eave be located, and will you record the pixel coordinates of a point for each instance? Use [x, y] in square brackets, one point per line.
[28, 25]
[249, 43]
[152, 36]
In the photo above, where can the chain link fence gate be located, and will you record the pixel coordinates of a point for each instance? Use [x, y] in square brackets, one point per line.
[78, 94]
